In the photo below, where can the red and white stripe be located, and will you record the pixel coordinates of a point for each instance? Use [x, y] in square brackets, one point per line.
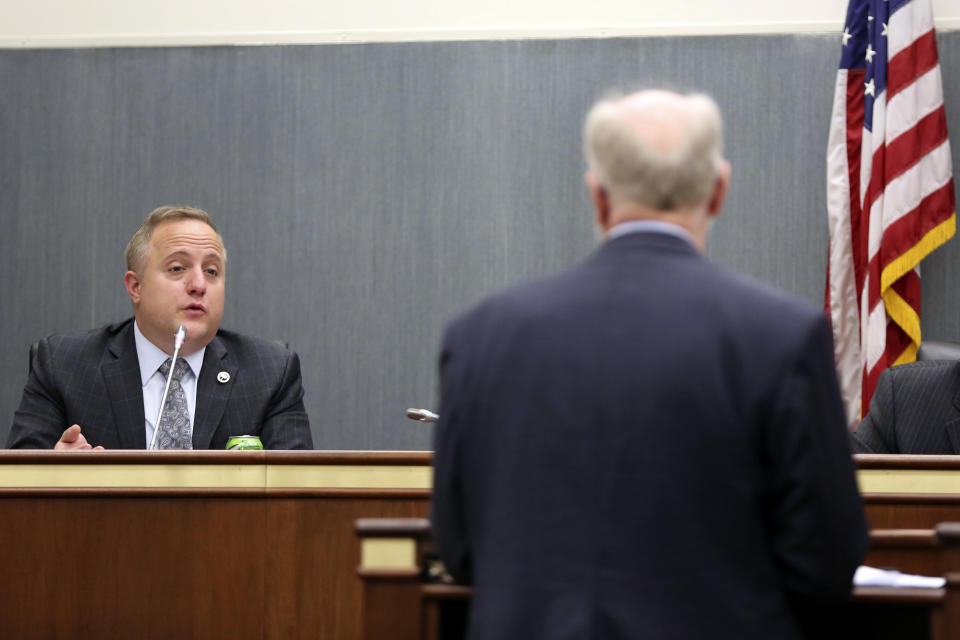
[890, 202]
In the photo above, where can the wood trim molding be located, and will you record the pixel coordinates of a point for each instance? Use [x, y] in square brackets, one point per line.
[214, 492]
[373, 473]
[117, 457]
[446, 591]
[392, 527]
[911, 498]
[913, 481]
[885, 461]
[884, 594]
[896, 538]
[388, 575]
[359, 492]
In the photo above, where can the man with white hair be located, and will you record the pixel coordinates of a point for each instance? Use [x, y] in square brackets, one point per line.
[645, 445]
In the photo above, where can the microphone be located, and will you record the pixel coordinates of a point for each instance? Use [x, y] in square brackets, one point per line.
[178, 339]
[422, 415]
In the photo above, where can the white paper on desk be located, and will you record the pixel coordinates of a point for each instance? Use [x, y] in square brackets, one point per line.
[873, 577]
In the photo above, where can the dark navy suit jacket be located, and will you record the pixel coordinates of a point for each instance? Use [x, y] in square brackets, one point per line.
[93, 379]
[643, 446]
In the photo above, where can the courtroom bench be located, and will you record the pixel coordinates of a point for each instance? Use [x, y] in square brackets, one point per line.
[227, 544]
[909, 491]
[407, 596]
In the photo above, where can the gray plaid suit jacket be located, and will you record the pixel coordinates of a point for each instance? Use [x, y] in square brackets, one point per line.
[93, 379]
[914, 409]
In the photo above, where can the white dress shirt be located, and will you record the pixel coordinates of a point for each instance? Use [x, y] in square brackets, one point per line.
[151, 357]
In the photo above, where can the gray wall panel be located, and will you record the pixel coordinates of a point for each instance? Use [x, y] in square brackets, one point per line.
[368, 192]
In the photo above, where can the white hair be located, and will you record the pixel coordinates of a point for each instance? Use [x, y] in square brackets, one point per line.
[632, 170]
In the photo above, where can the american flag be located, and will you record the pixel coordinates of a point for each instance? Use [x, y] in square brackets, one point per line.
[890, 192]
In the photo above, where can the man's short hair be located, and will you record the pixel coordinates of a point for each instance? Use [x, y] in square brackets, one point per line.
[630, 170]
[139, 244]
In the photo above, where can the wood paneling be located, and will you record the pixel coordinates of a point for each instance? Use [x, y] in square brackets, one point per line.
[908, 550]
[316, 571]
[168, 562]
[873, 613]
[918, 492]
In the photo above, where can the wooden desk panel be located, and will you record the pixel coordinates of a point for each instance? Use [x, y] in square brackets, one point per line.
[259, 544]
[313, 575]
[120, 567]
[909, 492]
[400, 603]
[132, 545]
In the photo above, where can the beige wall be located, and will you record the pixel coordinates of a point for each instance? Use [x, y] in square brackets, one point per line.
[81, 23]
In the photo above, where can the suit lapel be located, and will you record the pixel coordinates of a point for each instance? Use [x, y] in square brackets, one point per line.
[121, 375]
[212, 395]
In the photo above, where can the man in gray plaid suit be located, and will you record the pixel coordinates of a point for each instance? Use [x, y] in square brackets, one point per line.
[103, 388]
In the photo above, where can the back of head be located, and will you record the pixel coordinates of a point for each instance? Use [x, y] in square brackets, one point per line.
[656, 149]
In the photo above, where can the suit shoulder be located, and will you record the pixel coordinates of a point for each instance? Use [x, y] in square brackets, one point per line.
[244, 345]
[771, 297]
[766, 311]
[923, 373]
[82, 340]
[519, 299]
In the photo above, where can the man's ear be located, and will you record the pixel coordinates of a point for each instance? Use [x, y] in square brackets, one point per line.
[715, 204]
[131, 281]
[600, 200]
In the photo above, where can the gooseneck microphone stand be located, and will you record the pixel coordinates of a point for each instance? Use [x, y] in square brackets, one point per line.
[178, 339]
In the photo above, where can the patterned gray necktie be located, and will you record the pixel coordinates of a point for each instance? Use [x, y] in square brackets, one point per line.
[175, 429]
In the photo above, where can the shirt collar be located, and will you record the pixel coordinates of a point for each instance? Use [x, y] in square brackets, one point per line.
[650, 226]
[151, 357]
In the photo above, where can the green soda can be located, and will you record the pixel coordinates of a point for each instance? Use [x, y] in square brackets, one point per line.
[245, 443]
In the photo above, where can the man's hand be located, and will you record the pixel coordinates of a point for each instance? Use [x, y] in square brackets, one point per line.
[73, 439]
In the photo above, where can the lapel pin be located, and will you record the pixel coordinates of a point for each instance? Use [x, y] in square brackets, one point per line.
[223, 377]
